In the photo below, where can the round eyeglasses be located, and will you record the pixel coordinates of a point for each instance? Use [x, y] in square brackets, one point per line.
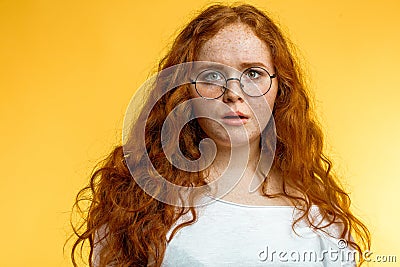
[254, 81]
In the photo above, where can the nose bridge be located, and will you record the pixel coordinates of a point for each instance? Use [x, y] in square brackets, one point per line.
[233, 79]
[234, 88]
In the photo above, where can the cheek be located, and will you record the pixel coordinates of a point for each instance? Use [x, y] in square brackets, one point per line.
[271, 96]
[204, 111]
[270, 99]
[209, 126]
[216, 132]
[261, 111]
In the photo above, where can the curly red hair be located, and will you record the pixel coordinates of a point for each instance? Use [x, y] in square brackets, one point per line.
[137, 223]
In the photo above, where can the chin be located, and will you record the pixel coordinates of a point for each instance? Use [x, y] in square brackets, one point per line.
[234, 141]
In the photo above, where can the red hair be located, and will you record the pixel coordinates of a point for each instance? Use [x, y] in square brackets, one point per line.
[137, 223]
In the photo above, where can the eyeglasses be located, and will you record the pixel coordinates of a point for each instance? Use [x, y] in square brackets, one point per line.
[254, 81]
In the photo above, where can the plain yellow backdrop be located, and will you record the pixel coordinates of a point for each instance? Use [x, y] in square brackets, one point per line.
[69, 69]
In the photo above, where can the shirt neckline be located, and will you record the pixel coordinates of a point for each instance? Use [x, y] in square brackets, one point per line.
[213, 199]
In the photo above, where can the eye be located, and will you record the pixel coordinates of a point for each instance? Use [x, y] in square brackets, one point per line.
[253, 74]
[214, 76]
[211, 76]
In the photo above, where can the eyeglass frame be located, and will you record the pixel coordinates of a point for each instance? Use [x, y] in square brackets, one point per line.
[232, 79]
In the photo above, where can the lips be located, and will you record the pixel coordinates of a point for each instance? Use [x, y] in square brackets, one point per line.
[235, 115]
[235, 118]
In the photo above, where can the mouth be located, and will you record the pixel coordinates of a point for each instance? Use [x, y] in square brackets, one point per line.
[235, 118]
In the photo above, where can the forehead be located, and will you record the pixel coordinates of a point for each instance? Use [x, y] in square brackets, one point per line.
[234, 45]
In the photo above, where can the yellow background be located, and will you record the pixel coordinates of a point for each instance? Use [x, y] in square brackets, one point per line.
[69, 69]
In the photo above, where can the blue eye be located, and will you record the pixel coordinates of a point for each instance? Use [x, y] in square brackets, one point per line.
[211, 76]
[214, 76]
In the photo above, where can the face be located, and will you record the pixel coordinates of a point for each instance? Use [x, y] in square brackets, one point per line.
[237, 48]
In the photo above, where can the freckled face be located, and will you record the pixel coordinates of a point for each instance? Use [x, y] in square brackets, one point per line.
[237, 47]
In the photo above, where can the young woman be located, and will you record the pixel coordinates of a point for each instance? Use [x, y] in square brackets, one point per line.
[246, 93]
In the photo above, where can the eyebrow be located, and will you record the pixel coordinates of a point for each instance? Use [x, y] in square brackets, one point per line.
[221, 67]
[211, 65]
[246, 65]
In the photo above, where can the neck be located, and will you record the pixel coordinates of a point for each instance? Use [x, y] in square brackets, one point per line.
[246, 156]
[235, 167]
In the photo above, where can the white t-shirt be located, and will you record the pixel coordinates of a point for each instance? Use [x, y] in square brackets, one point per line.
[229, 234]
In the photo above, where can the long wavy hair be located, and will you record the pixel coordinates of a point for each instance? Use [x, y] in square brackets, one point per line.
[137, 224]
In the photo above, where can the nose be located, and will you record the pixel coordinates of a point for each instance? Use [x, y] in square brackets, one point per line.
[233, 91]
